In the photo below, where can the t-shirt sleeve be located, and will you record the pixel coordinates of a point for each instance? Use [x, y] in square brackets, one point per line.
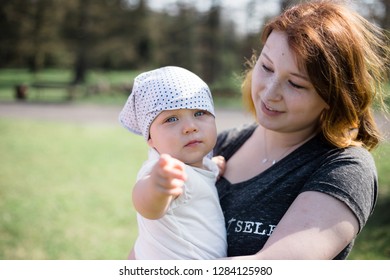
[351, 177]
[146, 168]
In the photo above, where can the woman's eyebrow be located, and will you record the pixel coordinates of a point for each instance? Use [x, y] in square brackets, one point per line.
[296, 74]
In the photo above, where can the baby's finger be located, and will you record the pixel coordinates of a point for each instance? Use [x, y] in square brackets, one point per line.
[177, 187]
[221, 163]
[172, 167]
[170, 186]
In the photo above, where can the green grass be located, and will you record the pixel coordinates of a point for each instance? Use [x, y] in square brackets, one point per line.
[101, 86]
[374, 240]
[65, 190]
[65, 193]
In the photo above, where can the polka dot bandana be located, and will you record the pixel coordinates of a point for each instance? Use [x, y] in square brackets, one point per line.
[167, 88]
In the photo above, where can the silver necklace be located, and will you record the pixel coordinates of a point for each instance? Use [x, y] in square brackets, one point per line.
[266, 159]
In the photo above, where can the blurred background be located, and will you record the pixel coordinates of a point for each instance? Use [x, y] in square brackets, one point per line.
[66, 69]
[209, 37]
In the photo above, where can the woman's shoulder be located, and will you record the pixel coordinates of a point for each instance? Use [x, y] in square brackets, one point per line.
[350, 175]
[357, 154]
[320, 145]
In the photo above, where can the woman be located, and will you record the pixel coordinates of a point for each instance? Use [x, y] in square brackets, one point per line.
[301, 182]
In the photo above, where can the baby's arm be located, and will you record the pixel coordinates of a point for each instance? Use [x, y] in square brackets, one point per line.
[153, 194]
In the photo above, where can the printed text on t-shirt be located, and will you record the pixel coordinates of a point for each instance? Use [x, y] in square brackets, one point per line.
[250, 227]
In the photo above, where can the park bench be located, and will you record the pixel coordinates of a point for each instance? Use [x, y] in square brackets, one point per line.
[21, 91]
[43, 86]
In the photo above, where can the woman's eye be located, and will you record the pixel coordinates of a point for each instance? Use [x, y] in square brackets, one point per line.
[266, 69]
[199, 113]
[171, 119]
[296, 85]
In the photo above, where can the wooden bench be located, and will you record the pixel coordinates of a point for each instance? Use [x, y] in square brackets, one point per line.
[42, 86]
[21, 90]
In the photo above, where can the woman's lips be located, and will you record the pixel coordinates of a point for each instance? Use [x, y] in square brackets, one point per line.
[269, 110]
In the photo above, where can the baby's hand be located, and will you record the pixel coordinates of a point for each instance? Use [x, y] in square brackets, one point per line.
[169, 175]
[221, 163]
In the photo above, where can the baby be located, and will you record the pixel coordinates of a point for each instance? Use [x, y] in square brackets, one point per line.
[178, 211]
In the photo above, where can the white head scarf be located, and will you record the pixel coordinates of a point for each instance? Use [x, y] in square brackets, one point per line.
[166, 88]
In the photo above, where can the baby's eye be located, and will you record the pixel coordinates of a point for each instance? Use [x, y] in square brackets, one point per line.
[199, 113]
[171, 119]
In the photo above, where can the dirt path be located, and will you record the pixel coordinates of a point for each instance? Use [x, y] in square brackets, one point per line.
[95, 114]
[108, 115]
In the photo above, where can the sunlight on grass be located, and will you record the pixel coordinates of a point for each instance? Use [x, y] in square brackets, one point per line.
[374, 241]
[65, 190]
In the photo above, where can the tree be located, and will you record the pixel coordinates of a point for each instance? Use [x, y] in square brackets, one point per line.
[11, 16]
[210, 43]
[385, 22]
[89, 28]
[141, 39]
[284, 4]
[175, 41]
[30, 32]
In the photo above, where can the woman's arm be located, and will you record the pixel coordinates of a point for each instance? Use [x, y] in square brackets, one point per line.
[153, 194]
[316, 226]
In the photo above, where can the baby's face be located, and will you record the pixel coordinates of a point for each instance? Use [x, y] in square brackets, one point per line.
[186, 134]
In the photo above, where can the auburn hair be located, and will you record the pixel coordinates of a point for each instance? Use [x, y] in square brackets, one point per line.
[347, 59]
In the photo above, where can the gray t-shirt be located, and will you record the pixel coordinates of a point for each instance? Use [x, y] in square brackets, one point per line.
[253, 208]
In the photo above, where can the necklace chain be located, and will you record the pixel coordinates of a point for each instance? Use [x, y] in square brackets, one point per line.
[266, 159]
[289, 149]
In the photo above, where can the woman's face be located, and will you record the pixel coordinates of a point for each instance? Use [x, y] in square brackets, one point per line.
[284, 97]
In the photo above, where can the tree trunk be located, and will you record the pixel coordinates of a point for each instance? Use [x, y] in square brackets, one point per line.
[80, 67]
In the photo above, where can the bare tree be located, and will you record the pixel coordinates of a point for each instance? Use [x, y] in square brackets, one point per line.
[284, 4]
[386, 18]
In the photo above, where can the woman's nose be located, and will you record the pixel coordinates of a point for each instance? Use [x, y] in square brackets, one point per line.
[273, 91]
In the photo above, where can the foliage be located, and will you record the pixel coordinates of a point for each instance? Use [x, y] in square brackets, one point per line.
[123, 34]
[104, 34]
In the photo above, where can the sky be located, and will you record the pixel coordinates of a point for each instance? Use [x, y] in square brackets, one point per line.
[236, 10]
[232, 9]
